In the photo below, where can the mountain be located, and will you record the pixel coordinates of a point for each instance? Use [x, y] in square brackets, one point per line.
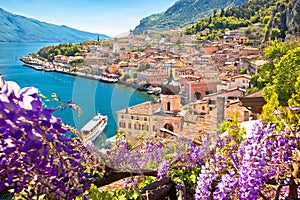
[183, 13]
[16, 28]
[276, 18]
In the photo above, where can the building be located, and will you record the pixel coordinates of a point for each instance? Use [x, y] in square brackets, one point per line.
[152, 77]
[199, 107]
[149, 117]
[254, 65]
[191, 85]
[205, 60]
[238, 81]
[242, 81]
[230, 94]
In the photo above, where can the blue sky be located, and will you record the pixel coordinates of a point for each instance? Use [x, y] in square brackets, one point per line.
[110, 17]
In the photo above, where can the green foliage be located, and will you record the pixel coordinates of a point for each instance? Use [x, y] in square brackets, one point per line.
[288, 68]
[96, 194]
[243, 71]
[147, 180]
[249, 43]
[135, 75]
[251, 90]
[251, 12]
[233, 127]
[144, 67]
[197, 95]
[284, 65]
[184, 13]
[126, 77]
[268, 109]
[120, 194]
[218, 25]
[189, 177]
[66, 49]
[293, 118]
[275, 33]
[266, 19]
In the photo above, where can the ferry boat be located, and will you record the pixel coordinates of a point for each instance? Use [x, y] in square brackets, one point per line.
[109, 78]
[91, 130]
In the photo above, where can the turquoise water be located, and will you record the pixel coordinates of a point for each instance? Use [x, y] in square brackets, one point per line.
[92, 96]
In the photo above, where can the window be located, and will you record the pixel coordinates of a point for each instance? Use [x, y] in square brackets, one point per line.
[145, 119]
[122, 124]
[203, 107]
[137, 118]
[168, 106]
[132, 117]
[129, 125]
[137, 126]
[145, 127]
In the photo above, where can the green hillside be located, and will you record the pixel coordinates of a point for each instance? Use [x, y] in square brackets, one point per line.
[183, 13]
[276, 19]
[16, 28]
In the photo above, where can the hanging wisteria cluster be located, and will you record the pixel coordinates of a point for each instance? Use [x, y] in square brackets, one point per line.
[264, 159]
[35, 156]
[153, 154]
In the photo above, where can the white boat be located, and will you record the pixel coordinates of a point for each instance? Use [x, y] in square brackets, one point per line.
[154, 90]
[91, 130]
[109, 78]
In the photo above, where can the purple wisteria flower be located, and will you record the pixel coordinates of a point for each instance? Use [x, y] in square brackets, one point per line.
[204, 183]
[226, 187]
[276, 112]
[294, 108]
[34, 149]
[163, 169]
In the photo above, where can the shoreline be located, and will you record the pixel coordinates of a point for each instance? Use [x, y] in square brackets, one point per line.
[81, 75]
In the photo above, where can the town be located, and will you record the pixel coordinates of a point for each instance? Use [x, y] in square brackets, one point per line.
[213, 78]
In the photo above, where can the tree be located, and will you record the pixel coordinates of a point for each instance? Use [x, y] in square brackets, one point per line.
[283, 66]
[126, 76]
[144, 67]
[135, 75]
[275, 33]
[243, 71]
[222, 12]
[197, 95]
[286, 72]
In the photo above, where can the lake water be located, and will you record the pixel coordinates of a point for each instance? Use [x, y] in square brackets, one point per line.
[92, 96]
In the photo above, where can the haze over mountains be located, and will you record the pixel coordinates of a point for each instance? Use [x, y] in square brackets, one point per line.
[184, 13]
[17, 28]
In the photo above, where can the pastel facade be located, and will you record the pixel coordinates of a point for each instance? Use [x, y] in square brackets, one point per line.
[149, 117]
[152, 77]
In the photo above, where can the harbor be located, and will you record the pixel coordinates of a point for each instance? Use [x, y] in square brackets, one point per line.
[91, 95]
[46, 66]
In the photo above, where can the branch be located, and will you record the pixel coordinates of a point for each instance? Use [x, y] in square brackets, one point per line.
[263, 196]
[181, 190]
[113, 176]
[278, 192]
[293, 189]
[156, 184]
[272, 182]
[159, 194]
